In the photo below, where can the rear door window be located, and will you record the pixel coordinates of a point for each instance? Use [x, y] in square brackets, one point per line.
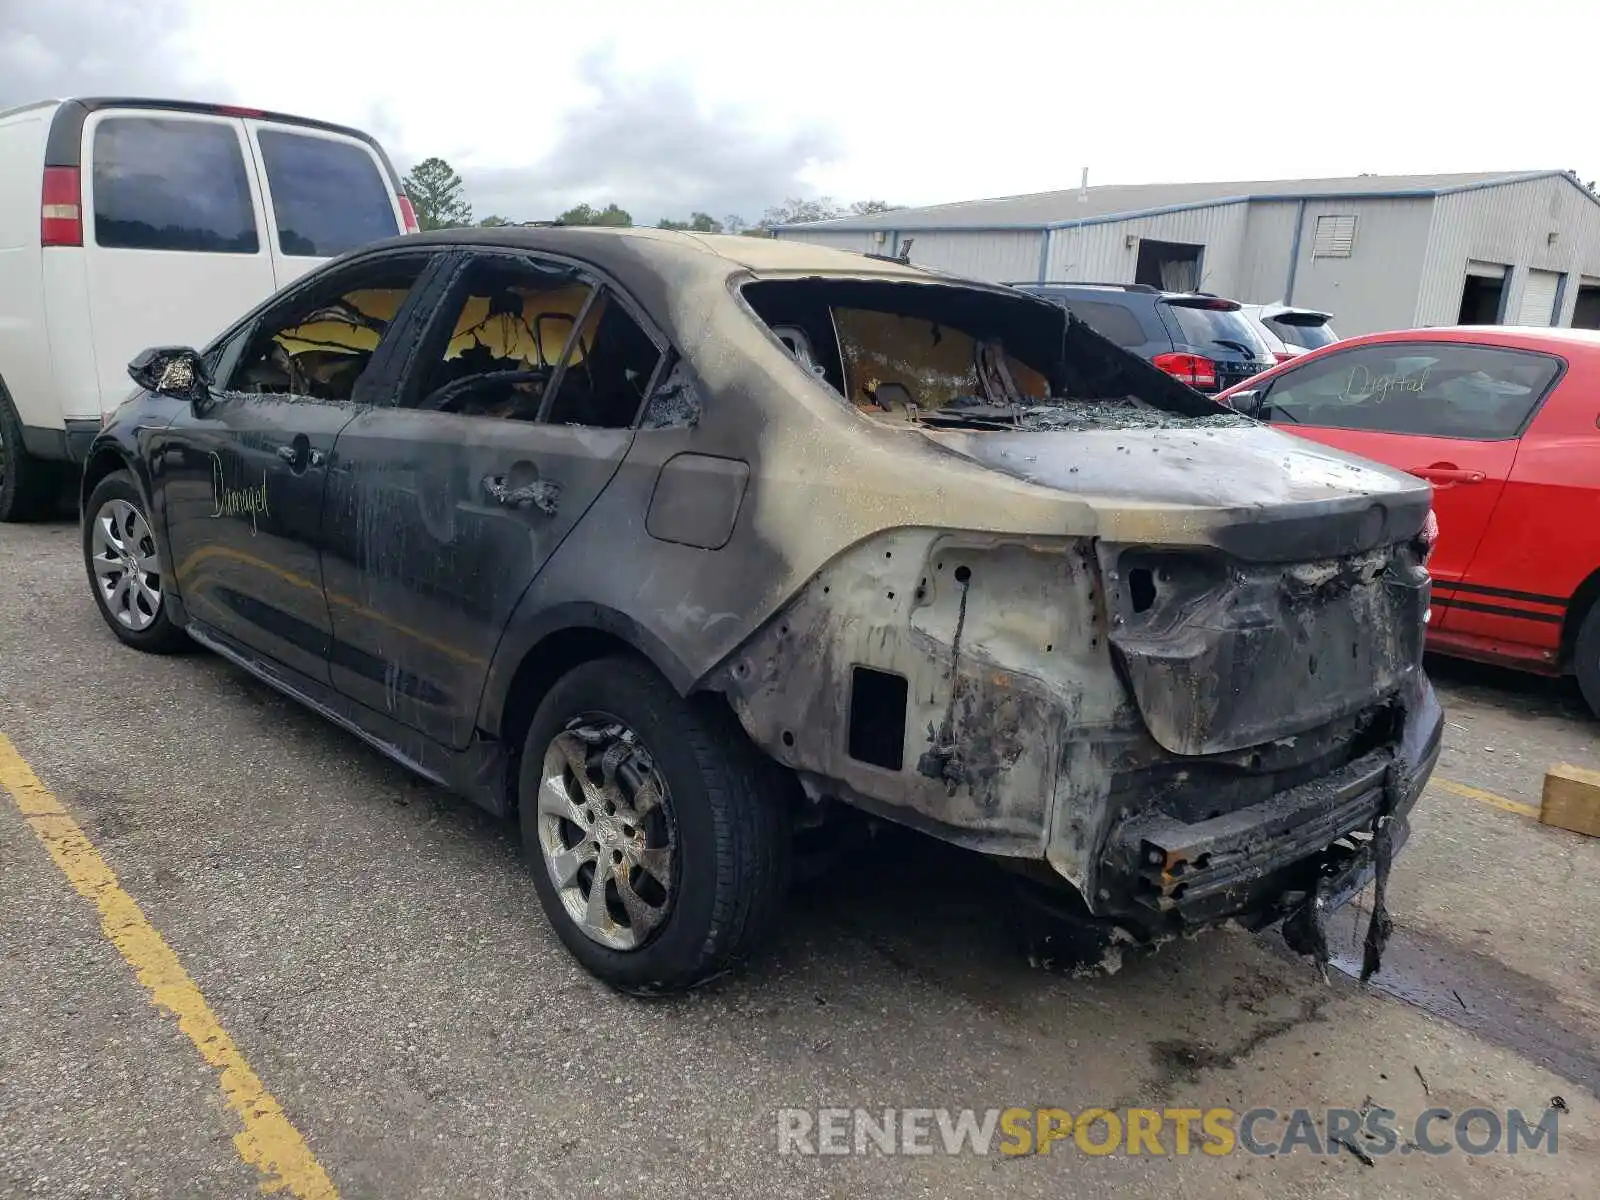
[328, 195]
[1109, 320]
[165, 183]
[1482, 393]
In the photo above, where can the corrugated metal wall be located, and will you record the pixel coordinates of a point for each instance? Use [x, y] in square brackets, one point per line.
[1406, 267]
[1376, 287]
[1101, 252]
[997, 257]
[1000, 257]
[1264, 258]
[1509, 225]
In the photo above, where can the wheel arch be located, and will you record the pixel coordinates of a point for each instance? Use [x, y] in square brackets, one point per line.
[536, 651]
[106, 458]
[1584, 599]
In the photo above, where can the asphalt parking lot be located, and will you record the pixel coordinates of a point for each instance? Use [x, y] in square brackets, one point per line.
[367, 953]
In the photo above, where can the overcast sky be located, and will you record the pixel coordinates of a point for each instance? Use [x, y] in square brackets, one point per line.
[542, 105]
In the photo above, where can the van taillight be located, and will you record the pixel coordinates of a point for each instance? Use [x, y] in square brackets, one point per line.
[61, 209]
[1196, 370]
[408, 215]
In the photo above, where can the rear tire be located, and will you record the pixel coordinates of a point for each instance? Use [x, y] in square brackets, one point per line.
[1586, 658]
[675, 806]
[126, 574]
[30, 488]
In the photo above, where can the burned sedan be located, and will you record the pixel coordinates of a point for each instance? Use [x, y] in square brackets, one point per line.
[669, 543]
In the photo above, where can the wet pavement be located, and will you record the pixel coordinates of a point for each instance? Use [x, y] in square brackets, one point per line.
[375, 952]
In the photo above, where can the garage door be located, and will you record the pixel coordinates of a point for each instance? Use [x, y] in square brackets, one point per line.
[1539, 298]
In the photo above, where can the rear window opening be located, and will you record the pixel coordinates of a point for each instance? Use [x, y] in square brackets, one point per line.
[938, 354]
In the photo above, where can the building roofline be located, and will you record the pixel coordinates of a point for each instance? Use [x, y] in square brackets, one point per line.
[847, 226]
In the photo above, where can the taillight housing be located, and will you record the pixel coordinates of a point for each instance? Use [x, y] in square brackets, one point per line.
[408, 215]
[1196, 370]
[1427, 537]
[61, 207]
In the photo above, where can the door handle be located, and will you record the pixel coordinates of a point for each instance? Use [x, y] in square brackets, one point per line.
[540, 494]
[1447, 473]
[299, 454]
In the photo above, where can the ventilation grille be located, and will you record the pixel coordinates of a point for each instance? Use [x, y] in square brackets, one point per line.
[1336, 237]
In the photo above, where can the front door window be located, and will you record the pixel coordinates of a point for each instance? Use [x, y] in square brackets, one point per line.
[1448, 390]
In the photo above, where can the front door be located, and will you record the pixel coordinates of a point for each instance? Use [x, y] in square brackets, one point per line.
[243, 474]
[1447, 412]
[515, 414]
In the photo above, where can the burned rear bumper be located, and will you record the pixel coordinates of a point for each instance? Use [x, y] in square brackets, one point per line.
[1258, 862]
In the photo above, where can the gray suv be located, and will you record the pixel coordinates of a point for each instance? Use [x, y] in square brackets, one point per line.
[1203, 340]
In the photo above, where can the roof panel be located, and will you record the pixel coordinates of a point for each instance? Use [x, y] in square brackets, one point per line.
[1044, 208]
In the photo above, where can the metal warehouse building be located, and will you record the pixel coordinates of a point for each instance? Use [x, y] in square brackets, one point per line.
[1377, 251]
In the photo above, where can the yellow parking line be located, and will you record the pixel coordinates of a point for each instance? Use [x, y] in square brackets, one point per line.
[268, 1141]
[1483, 797]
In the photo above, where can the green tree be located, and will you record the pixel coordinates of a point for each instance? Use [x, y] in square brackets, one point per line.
[435, 192]
[798, 211]
[583, 214]
[492, 222]
[866, 208]
[698, 222]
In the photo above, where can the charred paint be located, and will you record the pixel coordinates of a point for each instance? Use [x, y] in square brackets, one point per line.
[1048, 713]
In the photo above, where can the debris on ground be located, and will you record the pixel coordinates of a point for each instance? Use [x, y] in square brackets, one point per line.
[1571, 799]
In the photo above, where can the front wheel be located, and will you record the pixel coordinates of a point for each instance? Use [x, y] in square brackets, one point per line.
[125, 569]
[657, 835]
[1586, 658]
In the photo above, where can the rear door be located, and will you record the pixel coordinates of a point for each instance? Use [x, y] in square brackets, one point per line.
[174, 250]
[325, 193]
[1447, 412]
[519, 404]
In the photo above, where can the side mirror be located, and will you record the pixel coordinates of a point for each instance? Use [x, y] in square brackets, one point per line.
[172, 371]
[1247, 402]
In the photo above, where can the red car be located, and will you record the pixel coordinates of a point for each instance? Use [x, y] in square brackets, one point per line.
[1505, 423]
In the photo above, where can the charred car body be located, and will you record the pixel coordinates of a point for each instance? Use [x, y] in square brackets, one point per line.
[665, 541]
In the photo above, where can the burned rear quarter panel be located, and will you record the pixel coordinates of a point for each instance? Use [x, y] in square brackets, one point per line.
[846, 550]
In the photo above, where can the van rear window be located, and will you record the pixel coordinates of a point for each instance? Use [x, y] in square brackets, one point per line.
[167, 184]
[328, 195]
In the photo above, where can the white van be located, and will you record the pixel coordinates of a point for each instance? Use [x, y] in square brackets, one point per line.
[126, 224]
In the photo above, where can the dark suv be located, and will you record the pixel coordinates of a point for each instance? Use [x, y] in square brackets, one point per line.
[1203, 340]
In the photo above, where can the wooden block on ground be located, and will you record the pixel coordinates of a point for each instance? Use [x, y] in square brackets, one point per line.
[1572, 799]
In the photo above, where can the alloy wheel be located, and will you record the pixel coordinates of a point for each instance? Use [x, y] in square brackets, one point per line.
[607, 832]
[126, 569]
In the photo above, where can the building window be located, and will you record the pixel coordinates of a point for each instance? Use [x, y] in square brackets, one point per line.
[1336, 236]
